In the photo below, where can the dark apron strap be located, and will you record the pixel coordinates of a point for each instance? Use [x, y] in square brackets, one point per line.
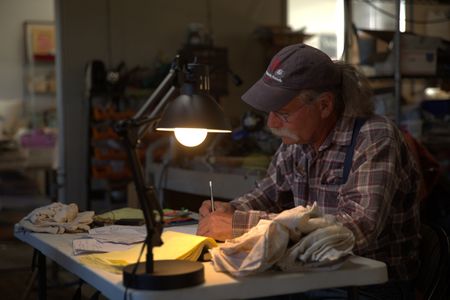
[359, 122]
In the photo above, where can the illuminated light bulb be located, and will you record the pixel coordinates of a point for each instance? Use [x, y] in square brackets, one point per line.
[190, 137]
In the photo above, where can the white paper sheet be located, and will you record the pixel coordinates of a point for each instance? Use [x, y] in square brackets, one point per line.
[88, 245]
[122, 234]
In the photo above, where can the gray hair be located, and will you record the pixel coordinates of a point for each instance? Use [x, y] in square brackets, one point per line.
[353, 98]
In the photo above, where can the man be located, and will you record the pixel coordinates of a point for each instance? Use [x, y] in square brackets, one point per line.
[323, 112]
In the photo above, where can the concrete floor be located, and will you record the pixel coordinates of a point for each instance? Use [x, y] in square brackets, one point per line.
[16, 268]
[18, 197]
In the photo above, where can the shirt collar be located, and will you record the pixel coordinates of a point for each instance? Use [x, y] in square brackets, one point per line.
[341, 133]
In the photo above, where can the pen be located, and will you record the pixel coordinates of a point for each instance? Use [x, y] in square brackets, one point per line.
[212, 197]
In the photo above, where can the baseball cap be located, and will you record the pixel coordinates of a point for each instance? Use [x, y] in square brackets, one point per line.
[292, 69]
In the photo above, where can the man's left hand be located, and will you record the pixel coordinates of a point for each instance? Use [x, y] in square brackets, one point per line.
[217, 225]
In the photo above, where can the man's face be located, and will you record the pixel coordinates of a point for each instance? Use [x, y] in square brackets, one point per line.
[297, 122]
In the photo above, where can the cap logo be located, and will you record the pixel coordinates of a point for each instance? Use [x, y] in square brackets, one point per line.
[274, 72]
[279, 72]
[278, 75]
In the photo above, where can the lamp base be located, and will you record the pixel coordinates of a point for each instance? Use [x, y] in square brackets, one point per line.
[167, 275]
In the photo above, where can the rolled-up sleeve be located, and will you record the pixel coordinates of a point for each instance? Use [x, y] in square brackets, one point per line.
[243, 221]
[260, 203]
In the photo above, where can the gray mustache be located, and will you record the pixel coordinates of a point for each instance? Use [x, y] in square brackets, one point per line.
[284, 132]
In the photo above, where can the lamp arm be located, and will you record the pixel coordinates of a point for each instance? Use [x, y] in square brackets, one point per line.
[154, 116]
[130, 131]
[156, 95]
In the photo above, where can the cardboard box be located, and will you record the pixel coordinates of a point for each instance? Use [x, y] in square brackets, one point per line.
[418, 61]
[412, 62]
[418, 54]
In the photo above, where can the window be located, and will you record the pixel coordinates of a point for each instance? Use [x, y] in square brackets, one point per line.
[323, 19]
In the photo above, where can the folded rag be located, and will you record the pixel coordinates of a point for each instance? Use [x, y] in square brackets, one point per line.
[252, 252]
[56, 218]
[318, 241]
[322, 248]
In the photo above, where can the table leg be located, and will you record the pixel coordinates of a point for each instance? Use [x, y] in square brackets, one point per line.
[42, 277]
[352, 293]
[30, 284]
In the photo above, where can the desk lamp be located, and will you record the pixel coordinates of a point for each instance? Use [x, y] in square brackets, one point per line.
[191, 116]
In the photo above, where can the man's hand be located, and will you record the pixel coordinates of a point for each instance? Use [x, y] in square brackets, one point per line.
[220, 206]
[217, 224]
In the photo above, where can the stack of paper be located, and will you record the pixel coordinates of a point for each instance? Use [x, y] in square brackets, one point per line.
[135, 216]
[110, 238]
[176, 246]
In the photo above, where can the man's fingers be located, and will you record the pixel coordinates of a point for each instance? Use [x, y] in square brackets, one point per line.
[220, 206]
[218, 226]
[202, 231]
[203, 228]
[223, 207]
[205, 209]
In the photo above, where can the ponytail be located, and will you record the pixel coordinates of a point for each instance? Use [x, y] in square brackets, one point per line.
[355, 96]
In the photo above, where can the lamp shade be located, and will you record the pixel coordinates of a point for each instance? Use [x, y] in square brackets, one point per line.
[194, 111]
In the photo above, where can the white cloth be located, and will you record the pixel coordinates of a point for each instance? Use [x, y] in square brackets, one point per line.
[318, 241]
[56, 218]
[322, 248]
[252, 252]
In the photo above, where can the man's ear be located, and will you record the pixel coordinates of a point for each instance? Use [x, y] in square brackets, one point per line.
[326, 104]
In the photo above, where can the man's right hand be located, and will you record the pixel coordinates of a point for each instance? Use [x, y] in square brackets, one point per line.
[217, 224]
[220, 206]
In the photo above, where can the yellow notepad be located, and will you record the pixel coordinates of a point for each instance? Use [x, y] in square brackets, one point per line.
[176, 245]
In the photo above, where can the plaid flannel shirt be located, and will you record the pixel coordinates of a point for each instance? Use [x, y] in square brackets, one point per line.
[378, 202]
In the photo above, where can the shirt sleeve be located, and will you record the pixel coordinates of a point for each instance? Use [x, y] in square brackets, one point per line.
[261, 202]
[252, 207]
[364, 202]
[243, 221]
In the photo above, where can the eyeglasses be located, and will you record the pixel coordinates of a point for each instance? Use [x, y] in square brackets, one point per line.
[285, 116]
[282, 116]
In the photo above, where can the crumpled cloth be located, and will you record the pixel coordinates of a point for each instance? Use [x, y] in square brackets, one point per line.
[317, 241]
[56, 218]
[323, 248]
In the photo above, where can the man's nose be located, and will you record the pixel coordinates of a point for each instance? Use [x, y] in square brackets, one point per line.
[273, 121]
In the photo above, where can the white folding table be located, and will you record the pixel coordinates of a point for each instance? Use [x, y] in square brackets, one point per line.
[356, 271]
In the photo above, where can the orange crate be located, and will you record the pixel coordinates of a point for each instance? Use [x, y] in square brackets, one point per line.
[107, 172]
[103, 133]
[109, 154]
